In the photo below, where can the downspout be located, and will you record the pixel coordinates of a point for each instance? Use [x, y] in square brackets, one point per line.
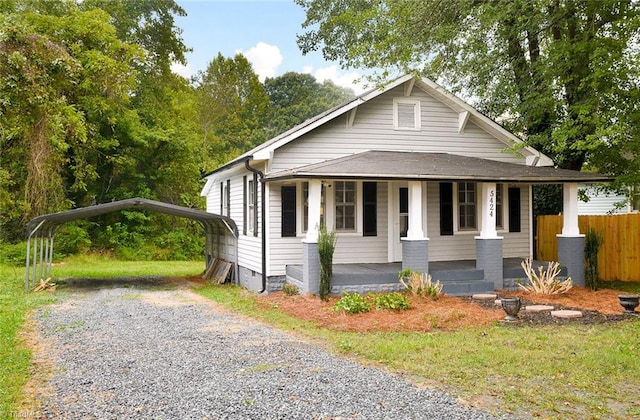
[263, 219]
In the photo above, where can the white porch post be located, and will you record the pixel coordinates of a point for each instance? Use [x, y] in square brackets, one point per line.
[415, 247]
[570, 210]
[489, 244]
[488, 218]
[310, 256]
[415, 230]
[313, 221]
[570, 241]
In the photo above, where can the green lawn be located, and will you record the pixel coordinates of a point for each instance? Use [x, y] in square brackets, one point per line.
[15, 358]
[572, 371]
[553, 372]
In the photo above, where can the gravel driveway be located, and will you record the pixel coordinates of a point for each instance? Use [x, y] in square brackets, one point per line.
[145, 353]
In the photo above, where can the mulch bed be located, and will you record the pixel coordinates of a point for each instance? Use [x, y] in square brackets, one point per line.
[453, 313]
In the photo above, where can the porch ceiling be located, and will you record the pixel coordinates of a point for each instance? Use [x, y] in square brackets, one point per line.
[392, 165]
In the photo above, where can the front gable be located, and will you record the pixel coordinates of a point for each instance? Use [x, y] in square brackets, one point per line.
[417, 122]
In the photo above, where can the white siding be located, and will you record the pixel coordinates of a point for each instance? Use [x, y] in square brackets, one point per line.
[249, 247]
[373, 130]
[350, 247]
[462, 245]
[600, 202]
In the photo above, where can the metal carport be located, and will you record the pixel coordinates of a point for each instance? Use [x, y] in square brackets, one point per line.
[41, 231]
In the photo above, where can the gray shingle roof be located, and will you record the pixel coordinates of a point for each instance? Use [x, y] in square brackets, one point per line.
[432, 166]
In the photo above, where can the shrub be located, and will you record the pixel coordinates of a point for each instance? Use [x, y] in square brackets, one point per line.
[326, 246]
[352, 303]
[545, 282]
[290, 289]
[592, 242]
[394, 301]
[420, 284]
[13, 254]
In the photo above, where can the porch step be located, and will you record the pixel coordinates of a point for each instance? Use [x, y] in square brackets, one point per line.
[516, 271]
[466, 288]
[457, 274]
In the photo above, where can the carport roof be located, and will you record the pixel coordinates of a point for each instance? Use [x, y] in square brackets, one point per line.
[390, 165]
[55, 219]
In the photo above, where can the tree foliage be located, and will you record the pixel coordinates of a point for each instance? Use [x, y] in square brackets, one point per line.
[295, 97]
[233, 108]
[90, 112]
[564, 74]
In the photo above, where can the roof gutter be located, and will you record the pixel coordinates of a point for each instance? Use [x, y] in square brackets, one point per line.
[263, 219]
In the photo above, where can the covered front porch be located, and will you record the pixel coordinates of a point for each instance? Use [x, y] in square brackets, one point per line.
[459, 278]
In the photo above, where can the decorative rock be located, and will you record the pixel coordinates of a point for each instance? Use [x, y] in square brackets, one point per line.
[538, 308]
[566, 313]
[498, 302]
[484, 296]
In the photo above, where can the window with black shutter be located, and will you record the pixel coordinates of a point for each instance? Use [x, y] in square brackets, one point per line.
[288, 225]
[370, 209]
[446, 208]
[514, 210]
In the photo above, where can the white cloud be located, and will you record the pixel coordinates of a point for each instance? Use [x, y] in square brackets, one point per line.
[264, 59]
[182, 70]
[348, 80]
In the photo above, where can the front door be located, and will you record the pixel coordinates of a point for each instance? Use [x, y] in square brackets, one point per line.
[400, 215]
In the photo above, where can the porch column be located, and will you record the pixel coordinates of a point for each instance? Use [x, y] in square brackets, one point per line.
[310, 256]
[570, 241]
[489, 244]
[415, 247]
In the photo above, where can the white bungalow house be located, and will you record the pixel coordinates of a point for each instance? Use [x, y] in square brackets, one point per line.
[409, 176]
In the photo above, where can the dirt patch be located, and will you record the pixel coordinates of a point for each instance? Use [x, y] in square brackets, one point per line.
[452, 313]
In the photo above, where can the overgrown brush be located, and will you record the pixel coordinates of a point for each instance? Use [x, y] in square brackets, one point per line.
[545, 282]
[420, 284]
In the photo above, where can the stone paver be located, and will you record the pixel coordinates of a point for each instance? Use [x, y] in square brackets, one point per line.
[538, 308]
[566, 313]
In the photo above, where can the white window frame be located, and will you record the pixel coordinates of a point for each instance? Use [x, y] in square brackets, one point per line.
[353, 204]
[328, 212]
[456, 209]
[397, 102]
[251, 206]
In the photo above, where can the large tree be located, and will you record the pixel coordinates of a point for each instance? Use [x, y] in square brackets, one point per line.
[64, 78]
[564, 74]
[233, 108]
[295, 97]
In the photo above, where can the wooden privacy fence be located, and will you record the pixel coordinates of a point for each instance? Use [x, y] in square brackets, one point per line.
[619, 254]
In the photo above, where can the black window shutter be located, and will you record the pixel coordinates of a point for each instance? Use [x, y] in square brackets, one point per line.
[370, 208]
[288, 196]
[514, 210]
[229, 197]
[446, 208]
[221, 198]
[244, 205]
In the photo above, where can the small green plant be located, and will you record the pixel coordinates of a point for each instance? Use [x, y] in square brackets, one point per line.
[420, 284]
[392, 301]
[592, 242]
[326, 246]
[352, 303]
[545, 282]
[290, 289]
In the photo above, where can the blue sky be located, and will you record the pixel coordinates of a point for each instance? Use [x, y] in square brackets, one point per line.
[263, 31]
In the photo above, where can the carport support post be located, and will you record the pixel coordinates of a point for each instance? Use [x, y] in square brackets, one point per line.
[570, 241]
